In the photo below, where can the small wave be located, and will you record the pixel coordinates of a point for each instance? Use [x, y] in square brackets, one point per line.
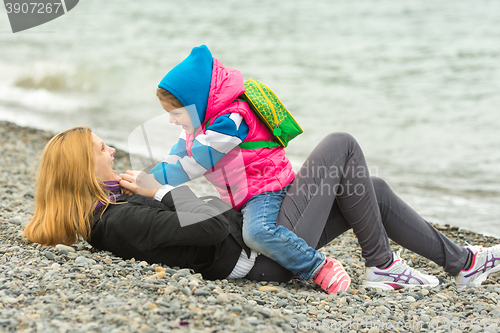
[57, 82]
[41, 100]
[48, 82]
[50, 76]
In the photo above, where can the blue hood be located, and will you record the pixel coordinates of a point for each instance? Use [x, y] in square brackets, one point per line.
[189, 82]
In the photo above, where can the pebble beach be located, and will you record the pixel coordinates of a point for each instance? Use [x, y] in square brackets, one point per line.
[79, 289]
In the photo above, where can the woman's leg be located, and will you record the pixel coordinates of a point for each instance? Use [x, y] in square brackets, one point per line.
[404, 226]
[266, 269]
[393, 217]
[335, 170]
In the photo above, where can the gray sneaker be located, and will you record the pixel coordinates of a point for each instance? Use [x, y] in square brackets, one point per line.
[486, 260]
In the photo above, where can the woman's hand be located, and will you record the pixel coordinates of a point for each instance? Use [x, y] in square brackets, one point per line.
[138, 182]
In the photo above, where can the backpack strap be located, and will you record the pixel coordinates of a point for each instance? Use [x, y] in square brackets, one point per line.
[251, 144]
[255, 144]
[258, 144]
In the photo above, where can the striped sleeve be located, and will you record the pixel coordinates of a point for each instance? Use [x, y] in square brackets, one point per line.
[179, 149]
[226, 132]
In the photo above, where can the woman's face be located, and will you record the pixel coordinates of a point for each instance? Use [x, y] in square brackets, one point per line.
[103, 157]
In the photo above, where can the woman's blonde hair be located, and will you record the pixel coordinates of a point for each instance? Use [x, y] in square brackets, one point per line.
[67, 190]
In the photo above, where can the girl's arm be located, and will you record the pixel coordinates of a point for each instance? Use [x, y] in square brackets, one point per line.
[226, 132]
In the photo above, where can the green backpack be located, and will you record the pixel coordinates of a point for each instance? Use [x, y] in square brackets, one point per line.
[269, 108]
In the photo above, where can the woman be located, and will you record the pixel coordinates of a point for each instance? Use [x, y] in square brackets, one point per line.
[78, 195]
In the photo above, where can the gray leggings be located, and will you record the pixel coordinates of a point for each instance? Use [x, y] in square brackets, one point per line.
[333, 192]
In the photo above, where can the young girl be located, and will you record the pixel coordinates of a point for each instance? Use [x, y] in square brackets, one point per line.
[200, 95]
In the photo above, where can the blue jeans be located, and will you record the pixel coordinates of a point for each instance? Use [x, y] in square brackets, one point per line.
[278, 243]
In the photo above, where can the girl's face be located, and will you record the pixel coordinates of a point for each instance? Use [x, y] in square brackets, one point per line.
[103, 158]
[178, 116]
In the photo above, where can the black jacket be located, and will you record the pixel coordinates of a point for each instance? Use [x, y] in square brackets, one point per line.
[182, 230]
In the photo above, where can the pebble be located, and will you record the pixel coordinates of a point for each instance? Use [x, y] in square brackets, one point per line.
[80, 289]
[82, 260]
[64, 247]
[16, 220]
[425, 318]
[282, 303]
[63, 251]
[267, 288]
[211, 299]
[170, 289]
[186, 291]
[236, 309]
[222, 298]
[201, 292]
[49, 255]
[252, 321]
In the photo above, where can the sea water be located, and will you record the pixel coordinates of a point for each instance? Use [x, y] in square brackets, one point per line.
[416, 83]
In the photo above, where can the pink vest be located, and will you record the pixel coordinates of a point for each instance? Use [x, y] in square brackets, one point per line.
[242, 173]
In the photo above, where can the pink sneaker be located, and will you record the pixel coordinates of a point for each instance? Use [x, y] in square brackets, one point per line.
[332, 277]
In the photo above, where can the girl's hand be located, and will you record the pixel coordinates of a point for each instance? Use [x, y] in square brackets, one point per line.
[138, 182]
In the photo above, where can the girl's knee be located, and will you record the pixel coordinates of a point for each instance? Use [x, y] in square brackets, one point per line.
[246, 232]
[255, 243]
[258, 238]
[251, 236]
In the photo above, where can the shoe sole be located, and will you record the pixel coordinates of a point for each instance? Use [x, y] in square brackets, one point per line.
[396, 286]
[480, 279]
